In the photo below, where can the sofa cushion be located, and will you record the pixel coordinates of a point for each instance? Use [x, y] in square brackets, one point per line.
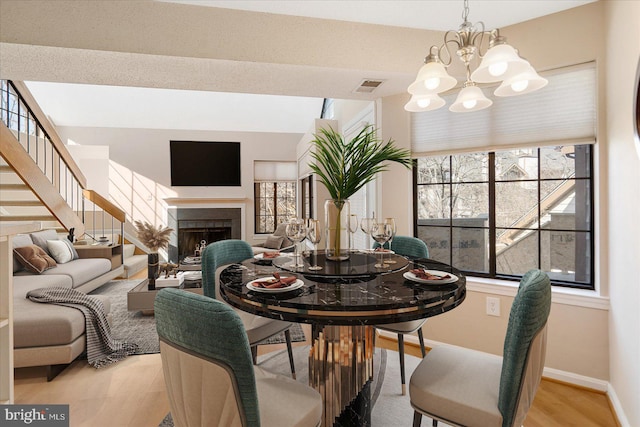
[34, 258]
[82, 270]
[20, 240]
[281, 230]
[38, 325]
[24, 283]
[62, 251]
[40, 238]
[128, 250]
[273, 242]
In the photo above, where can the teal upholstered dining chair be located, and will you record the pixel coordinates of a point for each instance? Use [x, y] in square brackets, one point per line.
[463, 387]
[411, 247]
[208, 371]
[220, 254]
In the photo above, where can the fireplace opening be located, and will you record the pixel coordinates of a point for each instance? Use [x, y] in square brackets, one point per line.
[190, 238]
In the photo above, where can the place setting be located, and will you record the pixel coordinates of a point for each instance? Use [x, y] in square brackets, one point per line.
[275, 284]
[429, 277]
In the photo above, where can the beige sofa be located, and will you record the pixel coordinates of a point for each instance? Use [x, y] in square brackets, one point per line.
[278, 241]
[48, 334]
[133, 263]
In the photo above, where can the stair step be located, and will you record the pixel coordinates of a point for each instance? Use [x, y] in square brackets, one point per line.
[21, 203]
[14, 187]
[6, 168]
[27, 218]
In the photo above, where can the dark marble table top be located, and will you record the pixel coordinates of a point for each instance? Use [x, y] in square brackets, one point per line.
[379, 299]
[358, 264]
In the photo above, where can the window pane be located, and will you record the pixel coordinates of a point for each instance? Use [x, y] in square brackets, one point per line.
[559, 202]
[470, 204]
[517, 164]
[433, 201]
[470, 249]
[470, 167]
[565, 162]
[519, 255]
[433, 170]
[516, 204]
[566, 255]
[436, 238]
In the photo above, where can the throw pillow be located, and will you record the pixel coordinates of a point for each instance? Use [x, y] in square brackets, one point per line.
[273, 242]
[62, 251]
[40, 238]
[34, 258]
[20, 240]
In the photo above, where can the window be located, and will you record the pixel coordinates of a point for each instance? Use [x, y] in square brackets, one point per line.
[274, 194]
[501, 213]
[275, 204]
[307, 197]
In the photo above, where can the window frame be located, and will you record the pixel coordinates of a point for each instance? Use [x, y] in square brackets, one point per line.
[492, 227]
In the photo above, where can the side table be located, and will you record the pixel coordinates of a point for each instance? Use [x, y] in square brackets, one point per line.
[141, 298]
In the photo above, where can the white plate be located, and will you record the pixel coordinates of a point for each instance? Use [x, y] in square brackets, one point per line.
[410, 276]
[292, 287]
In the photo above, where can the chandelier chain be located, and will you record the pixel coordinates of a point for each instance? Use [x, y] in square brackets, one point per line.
[465, 11]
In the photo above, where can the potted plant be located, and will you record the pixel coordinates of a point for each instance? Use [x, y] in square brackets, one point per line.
[344, 167]
[155, 238]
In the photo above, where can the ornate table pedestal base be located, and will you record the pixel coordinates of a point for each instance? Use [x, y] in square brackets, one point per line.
[341, 369]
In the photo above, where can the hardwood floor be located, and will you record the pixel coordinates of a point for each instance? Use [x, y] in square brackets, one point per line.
[131, 393]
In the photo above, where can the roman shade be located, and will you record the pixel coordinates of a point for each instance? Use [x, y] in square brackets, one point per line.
[264, 171]
[562, 113]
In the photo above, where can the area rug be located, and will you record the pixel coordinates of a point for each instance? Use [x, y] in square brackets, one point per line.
[133, 326]
[390, 408]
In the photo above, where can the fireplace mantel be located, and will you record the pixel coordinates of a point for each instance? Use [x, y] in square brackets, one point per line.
[182, 201]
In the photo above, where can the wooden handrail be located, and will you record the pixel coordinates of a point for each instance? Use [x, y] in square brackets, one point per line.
[105, 205]
[48, 127]
[30, 173]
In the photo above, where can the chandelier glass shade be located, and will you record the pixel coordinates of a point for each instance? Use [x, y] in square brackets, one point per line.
[500, 62]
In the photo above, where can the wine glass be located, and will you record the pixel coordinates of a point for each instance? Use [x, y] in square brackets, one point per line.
[314, 234]
[365, 226]
[381, 233]
[392, 223]
[353, 227]
[296, 231]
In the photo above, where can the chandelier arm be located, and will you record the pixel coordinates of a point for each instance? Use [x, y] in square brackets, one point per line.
[445, 46]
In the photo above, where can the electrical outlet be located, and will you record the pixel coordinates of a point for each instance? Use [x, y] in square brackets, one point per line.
[493, 306]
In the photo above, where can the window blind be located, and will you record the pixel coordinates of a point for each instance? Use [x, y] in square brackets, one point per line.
[274, 171]
[563, 112]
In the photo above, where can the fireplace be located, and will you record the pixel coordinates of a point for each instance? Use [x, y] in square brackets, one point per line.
[194, 225]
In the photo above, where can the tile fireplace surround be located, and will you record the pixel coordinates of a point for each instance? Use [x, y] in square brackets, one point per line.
[217, 222]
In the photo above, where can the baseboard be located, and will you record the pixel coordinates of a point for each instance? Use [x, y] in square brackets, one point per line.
[551, 373]
[616, 407]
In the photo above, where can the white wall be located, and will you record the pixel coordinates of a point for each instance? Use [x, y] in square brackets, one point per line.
[143, 154]
[622, 20]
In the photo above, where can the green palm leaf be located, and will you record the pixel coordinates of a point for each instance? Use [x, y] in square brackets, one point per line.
[345, 167]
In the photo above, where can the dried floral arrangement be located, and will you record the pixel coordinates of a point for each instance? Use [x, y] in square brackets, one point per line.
[152, 237]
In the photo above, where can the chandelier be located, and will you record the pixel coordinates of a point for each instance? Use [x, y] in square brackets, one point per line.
[499, 62]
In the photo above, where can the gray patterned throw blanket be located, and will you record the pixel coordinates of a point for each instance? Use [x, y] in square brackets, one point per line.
[102, 348]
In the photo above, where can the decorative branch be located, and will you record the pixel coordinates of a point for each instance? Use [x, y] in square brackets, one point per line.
[152, 237]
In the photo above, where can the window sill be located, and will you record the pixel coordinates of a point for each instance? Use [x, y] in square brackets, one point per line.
[566, 296]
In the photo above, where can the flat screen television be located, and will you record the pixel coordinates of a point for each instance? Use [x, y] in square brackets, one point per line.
[205, 164]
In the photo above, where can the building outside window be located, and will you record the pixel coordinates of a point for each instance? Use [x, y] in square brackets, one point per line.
[274, 194]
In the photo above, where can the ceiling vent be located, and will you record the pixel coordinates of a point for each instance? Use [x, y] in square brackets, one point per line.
[368, 86]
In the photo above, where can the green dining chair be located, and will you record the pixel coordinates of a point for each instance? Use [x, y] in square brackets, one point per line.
[209, 375]
[220, 254]
[463, 387]
[414, 248]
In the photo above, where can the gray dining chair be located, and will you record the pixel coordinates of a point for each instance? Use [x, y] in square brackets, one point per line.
[413, 248]
[209, 375]
[463, 387]
[220, 254]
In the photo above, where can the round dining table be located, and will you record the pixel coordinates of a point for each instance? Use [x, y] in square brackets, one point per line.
[343, 301]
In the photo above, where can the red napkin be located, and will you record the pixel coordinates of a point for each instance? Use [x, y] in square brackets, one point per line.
[422, 274]
[276, 282]
[270, 255]
[381, 249]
